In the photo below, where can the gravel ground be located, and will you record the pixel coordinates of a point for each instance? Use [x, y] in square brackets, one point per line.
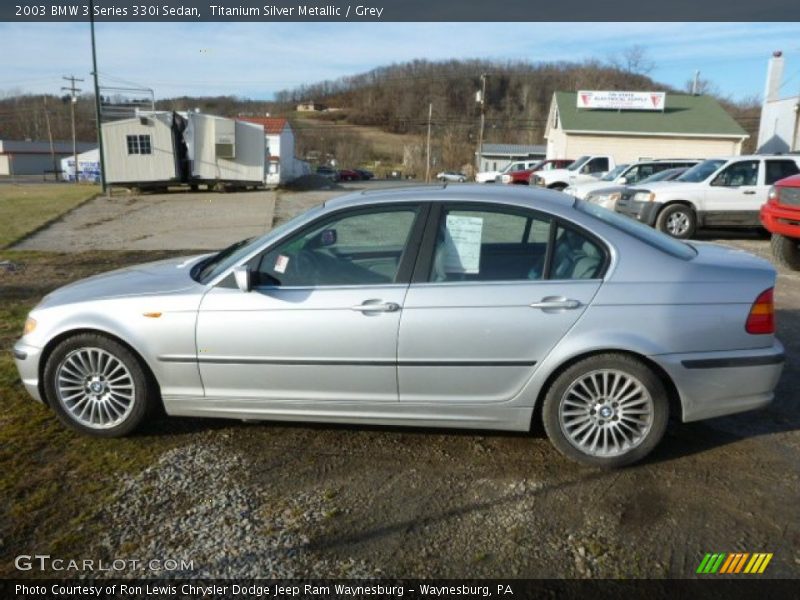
[172, 221]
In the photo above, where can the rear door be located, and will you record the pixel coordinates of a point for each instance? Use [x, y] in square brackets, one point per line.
[494, 290]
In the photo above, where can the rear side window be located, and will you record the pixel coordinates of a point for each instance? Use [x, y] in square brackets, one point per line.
[498, 245]
[778, 169]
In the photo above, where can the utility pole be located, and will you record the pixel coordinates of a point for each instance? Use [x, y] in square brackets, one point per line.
[428, 146]
[696, 83]
[74, 98]
[50, 137]
[97, 99]
[482, 99]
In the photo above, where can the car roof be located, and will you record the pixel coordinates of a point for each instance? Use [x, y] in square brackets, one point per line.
[510, 195]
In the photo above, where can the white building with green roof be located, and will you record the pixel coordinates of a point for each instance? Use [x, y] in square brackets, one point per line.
[687, 126]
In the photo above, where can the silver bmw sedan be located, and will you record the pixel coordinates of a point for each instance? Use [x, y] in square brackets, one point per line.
[459, 307]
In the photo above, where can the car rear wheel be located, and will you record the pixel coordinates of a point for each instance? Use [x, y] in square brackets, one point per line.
[609, 410]
[96, 386]
[677, 220]
[786, 251]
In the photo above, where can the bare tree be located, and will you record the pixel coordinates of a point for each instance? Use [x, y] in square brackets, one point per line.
[634, 59]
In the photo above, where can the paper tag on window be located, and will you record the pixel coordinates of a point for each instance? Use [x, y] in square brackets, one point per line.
[281, 263]
[463, 244]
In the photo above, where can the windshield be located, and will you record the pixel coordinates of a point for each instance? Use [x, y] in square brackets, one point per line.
[662, 176]
[702, 171]
[217, 264]
[613, 173]
[648, 235]
[578, 163]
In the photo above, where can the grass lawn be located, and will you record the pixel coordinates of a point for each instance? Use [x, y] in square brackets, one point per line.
[53, 481]
[24, 207]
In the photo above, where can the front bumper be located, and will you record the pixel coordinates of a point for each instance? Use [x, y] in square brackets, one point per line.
[780, 220]
[713, 384]
[645, 212]
[27, 359]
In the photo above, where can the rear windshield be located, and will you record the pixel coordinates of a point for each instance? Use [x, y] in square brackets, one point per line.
[648, 235]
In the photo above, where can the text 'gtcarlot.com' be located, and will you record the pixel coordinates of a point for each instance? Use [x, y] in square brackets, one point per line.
[45, 562]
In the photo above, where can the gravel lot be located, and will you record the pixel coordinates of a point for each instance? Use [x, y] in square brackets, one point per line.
[283, 500]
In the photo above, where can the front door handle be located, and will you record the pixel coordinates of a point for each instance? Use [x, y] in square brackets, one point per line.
[376, 306]
[551, 303]
[748, 192]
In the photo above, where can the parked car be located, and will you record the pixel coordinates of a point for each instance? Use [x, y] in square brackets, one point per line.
[364, 174]
[442, 307]
[349, 175]
[328, 172]
[451, 176]
[628, 175]
[491, 176]
[607, 197]
[523, 177]
[781, 217]
[586, 168]
[718, 192]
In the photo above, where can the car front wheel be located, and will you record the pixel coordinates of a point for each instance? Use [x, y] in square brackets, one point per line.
[96, 386]
[608, 410]
[677, 220]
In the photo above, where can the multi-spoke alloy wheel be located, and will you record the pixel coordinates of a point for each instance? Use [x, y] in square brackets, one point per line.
[606, 410]
[95, 387]
[606, 413]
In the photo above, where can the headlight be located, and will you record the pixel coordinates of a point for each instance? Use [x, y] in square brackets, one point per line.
[30, 325]
[569, 190]
[644, 196]
[772, 196]
[506, 179]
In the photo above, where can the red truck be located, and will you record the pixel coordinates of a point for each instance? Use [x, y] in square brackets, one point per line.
[523, 177]
[781, 217]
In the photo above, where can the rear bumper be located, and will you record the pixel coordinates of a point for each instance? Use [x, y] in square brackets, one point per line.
[783, 221]
[27, 360]
[645, 212]
[713, 384]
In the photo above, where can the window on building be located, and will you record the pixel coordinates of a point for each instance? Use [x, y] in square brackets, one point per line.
[139, 144]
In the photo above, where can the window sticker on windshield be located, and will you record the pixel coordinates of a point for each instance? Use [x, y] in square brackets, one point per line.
[463, 244]
[281, 263]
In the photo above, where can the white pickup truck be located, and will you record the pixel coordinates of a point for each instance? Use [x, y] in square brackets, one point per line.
[491, 176]
[629, 175]
[586, 168]
[718, 192]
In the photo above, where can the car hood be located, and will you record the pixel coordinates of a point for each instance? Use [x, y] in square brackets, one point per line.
[160, 277]
[598, 189]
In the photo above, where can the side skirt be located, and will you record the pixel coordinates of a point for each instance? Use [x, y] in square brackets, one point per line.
[466, 416]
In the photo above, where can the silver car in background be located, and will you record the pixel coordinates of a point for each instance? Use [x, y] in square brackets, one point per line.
[458, 307]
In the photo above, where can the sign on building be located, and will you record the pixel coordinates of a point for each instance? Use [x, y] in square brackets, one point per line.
[615, 100]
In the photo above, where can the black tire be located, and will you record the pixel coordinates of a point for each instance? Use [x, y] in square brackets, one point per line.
[631, 368]
[678, 221]
[786, 251]
[144, 396]
[558, 187]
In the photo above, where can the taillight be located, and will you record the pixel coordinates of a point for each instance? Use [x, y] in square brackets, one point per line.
[762, 314]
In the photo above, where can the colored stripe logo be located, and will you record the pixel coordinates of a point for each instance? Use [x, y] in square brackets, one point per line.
[722, 563]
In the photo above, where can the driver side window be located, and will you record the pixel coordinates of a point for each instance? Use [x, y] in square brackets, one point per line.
[361, 248]
[738, 174]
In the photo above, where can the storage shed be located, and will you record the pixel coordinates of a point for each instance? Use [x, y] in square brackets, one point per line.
[496, 157]
[26, 157]
[685, 126]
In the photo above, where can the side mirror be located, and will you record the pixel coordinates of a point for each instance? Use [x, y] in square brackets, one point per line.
[585, 169]
[623, 180]
[242, 276]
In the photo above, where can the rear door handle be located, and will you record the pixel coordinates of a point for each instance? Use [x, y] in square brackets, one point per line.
[376, 306]
[556, 303]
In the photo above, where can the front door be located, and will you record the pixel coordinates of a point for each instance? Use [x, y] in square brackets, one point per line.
[502, 288]
[321, 322]
[735, 196]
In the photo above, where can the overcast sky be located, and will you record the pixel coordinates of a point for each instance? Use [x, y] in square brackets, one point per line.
[255, 60]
